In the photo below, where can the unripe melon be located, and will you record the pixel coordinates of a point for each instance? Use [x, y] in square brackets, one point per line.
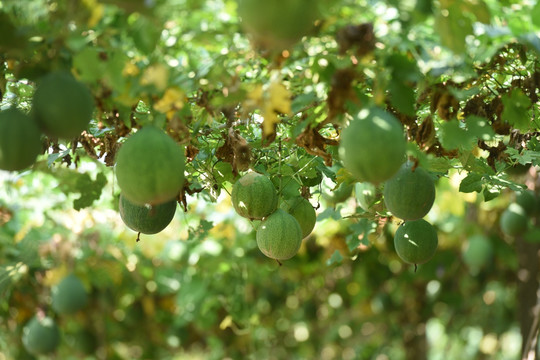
[527, 200]
[277, 24]
[478, 252]
[373, 145]
[279, 236]
[409, 194]
[303, 212]
[69, 296]
[146, 219]
[62, 105]
[339, 194]
[150, 167]
[366, 195]
[514, 220]
[254, 196]
[416, 241]
[20, 140]
[41, 336]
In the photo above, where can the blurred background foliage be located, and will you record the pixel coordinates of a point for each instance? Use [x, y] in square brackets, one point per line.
[201, 289]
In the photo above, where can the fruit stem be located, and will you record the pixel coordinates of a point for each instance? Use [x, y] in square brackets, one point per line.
[138, 237]
[279, 262]
[415, 267]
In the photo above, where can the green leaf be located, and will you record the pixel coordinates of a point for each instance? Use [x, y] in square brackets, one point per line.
[535, 15]
[453, 135]
[516, 109]
[89, 64]
[472, 183]
[402, 97]
[490, 193]
[336, 258]
[90, 190]
[479, 128]
[453, 26]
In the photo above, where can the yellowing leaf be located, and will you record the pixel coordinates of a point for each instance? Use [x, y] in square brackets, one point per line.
[130, 69]
[172, 100]
[55, 275]
[156, 75]
[96, 11]
[277, 100]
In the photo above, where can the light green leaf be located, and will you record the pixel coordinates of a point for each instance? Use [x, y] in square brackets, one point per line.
[90, 190]
[516, 110]
[336, 258]
[472, 183]
[453, 26]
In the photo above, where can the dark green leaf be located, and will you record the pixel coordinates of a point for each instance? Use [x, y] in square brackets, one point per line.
[516, 109]
[472, 183]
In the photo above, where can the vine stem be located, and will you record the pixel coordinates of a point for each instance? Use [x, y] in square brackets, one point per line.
[529, 351]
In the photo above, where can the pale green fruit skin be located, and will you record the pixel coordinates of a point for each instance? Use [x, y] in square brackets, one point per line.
[150, 167]
[409, 195]
[527, 200]
[254, 196]
[279, 236]
[373, 146]
[20, 140]
[277, 24]
[41, 336]
[478, 252]
[514, 220]
[146, 219]
[303, 212]
[416, 241]
[62, 105]
[340, 194]
[366, 195]
[69, 296]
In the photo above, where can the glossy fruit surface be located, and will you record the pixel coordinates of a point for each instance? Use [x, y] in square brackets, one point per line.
[69, 296]
[254, 196]
[146, 219]
[416, 241]
[373, 145]
[303, 212]
[150, 167]
[279, 236]
[20, 140]
[62, 105]
[40, 335]
[410, 193]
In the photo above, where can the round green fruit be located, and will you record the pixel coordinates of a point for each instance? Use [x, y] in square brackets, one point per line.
[303, 212]
[373, 145]
[254, 196]
[278, 24]
[41, 336]
[416, 241]
[20, 140]
[279, 236]
[409, 194]
[62, 105]
[527, 200]
[83, 341]
[514, 220]
[339, 194]
[146, 219]
[478, 252]
[69, 296]
[150, 167]
[366, 195]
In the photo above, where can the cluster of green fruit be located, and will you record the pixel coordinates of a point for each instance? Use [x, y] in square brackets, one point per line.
[373, 149]
[280, 233]
[276, 25]
[150, 173]
[61, 108]
[41, 334]
[515, 220]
